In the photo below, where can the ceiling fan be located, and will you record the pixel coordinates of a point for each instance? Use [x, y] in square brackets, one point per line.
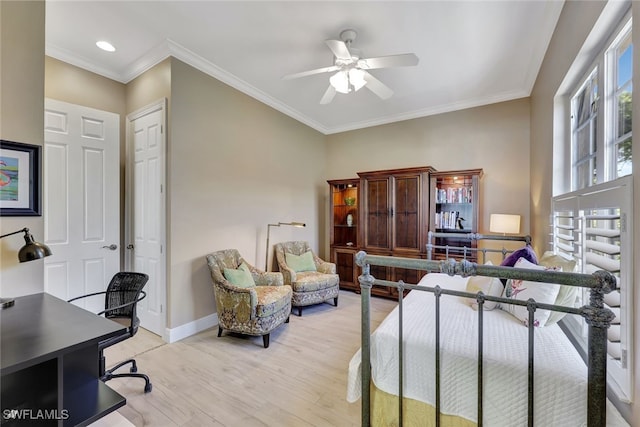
[351, 68]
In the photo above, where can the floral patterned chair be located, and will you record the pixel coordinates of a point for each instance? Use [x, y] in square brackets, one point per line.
[313, 280]
[254, 308]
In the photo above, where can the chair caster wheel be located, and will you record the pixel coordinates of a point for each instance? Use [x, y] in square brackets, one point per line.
[147, 388]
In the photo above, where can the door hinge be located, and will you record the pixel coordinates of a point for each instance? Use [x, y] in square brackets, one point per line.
[161, 188]
[161, 248]
[623, 358]
[623, 222]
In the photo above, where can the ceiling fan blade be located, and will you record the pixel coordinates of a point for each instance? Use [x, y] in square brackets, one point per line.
[328, 95]
[377, 87]
[310, 72]
[403, 60]
[339, 49]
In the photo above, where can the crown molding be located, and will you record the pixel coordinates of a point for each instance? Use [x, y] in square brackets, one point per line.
[170, 48]
[440, 109]
[80, 62]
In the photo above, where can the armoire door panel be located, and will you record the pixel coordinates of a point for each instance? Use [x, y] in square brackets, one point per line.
[377, 214]
[406, 220]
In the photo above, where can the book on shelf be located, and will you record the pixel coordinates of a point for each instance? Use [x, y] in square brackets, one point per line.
[454, 195]
[448, 219]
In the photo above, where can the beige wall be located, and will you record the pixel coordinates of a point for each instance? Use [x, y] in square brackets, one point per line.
[494, 138]
[21, 120]
[150, 87]
[575, 23]
[236, 165]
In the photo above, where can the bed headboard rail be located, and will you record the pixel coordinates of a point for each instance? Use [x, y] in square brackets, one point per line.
[464, 239]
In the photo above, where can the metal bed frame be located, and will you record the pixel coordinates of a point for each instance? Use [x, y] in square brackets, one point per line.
[596, 315]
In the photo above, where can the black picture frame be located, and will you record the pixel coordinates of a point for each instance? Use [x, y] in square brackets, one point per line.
[20, 181]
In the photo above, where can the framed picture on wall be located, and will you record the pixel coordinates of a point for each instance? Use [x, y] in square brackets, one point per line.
[19, 179]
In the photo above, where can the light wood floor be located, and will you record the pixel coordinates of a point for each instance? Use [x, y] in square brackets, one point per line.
[300, 380]
[203, 380]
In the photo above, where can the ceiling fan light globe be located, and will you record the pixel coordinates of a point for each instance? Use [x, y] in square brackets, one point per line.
[356, 78]
[340, 82]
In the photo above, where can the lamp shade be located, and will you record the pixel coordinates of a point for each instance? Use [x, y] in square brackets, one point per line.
[340, 81]
[32, 250]
[504, 223]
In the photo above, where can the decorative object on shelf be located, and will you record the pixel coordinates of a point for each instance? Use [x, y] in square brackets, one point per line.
[504, 223]
[459, 221]
[19, 179]
[292, 223]
[350, 201]
[32, 250]
[349, 220]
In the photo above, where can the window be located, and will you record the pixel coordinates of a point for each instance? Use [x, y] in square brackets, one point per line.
[592, 220]
[599, 156]
[584, 108]
[620, 55]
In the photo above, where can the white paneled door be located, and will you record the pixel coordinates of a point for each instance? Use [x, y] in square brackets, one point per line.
[146, 210]
[81, 200]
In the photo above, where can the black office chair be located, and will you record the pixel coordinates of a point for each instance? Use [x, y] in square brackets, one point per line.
[121, 298]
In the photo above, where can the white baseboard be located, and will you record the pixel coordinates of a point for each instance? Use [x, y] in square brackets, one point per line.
[191, 328]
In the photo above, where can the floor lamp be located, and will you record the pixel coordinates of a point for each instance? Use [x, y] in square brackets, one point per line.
[266, 255]
[32, 250]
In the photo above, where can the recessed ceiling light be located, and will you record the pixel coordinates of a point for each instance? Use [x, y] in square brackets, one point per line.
[105, 46]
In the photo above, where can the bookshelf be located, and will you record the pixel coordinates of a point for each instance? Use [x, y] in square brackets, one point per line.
[344, 195]
[454, 203]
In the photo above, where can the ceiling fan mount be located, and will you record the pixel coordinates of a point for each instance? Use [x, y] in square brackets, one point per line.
[351, 69]
[348, 36]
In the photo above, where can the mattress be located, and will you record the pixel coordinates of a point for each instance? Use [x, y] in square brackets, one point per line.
[560, 375]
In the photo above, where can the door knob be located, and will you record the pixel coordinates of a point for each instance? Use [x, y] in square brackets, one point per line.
[111, 247]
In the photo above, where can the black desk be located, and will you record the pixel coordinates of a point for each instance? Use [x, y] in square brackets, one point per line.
[49, 364]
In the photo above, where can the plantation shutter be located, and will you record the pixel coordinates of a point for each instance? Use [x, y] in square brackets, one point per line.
[593, 227]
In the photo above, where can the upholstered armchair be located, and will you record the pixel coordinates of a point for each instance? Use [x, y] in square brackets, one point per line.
[249, 301]
[313, 280]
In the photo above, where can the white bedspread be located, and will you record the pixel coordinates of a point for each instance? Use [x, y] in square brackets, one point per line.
[560, 374]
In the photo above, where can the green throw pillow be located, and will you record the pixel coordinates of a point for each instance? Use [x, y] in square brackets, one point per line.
[300, 263]
[241, 277]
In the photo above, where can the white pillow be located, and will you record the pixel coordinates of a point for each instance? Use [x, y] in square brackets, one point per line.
[567, 294]
[522, 290]
[488, 286]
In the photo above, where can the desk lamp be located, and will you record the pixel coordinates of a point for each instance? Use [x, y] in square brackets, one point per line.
[32, 250]
[293, 224]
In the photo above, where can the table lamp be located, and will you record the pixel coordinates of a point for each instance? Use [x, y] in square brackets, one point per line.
[504, 223]
[32, 250]
[293, 224]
